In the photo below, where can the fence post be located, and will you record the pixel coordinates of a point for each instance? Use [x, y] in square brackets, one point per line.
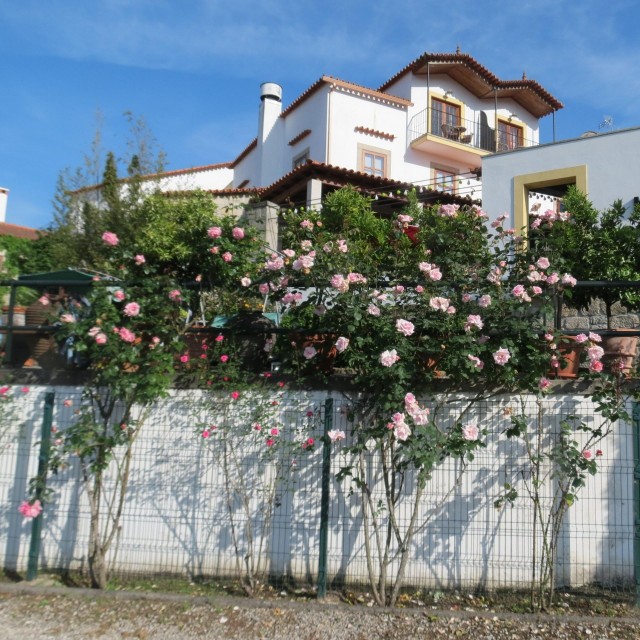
[324, 499]
[636, 498]
[43, 468]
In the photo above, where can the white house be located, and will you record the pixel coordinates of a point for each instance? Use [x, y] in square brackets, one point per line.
[428, 126]
[605, 166]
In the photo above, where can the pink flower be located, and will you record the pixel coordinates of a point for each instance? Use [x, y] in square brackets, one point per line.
[470, 431]
[119, 295]
[30, 510]
[140, 259]
[587, 455]
[132, 309]
[401, 431]
[473, 321]
[235, 395]
[544, 384]
[274, 431]
[596, 366]
[341, 344]
[335, 435]
[67, 317]
[594, 337]
[263, 289]
[595, 352]
[245, 282]
[67, 402]
[484, 301]
[4, 391]
[306, 224]
[419, 289]
[184, 358]
[339, 282]
[101, 338]
[44, 300]
[439, 304]
[175, 295]
[476, 362]
[543, 263]
[501, 356]
[110, 238]
[389, 358]
[599, 453]
[405, 327]
[569, 280]
[237, 233]
[580, 338]
[25, 389]
[219, 338]
[155, 341]
[126, 335]
[309, 352]
[214, 232]
[518, 291]
[270, 442]
[227, 256]
[206, 433]
[373, 310]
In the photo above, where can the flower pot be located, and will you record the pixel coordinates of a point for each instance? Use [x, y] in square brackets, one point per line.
[19, 316]
[570, 352]
[326, 352]
[619, 352]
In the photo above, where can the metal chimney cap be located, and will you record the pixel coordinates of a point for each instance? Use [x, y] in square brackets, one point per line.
[271, 90]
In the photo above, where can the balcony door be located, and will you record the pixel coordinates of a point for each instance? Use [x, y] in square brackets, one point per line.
[443, 115]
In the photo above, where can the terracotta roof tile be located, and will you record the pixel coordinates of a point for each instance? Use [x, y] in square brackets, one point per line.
[18, 231]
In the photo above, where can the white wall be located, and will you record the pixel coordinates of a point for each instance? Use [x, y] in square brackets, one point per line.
[176, 518]
[612, 161]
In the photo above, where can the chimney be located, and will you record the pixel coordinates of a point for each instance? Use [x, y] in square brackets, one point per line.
[4, 196]
[270, 132]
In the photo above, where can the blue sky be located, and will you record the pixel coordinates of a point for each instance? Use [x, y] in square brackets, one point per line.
[192, 69]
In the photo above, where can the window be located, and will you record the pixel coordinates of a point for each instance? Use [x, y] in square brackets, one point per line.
[444, 180]
[373, 164]
[444, 115]
[300, 159]
[509, 136]
[373, 161]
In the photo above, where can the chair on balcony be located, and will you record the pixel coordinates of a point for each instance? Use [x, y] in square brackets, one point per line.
[466, 139]
[451, 132]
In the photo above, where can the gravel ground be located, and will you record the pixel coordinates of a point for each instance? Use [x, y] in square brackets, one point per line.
[38, 613]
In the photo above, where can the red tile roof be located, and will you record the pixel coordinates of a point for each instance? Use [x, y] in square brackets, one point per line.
[469, 72]
[18, 231]
[375, 132]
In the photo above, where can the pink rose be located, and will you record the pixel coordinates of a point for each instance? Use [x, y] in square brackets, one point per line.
[587, 455]
[405, 327]
[175, 295]
[119, 295]
[309, 352]
[401, 431]
[235, 395]
[341, 344]
[140, 259]
[214, 232]
[237, 233]
[484, 301]
[335, 435]
[101, 338]
[110, 238]
[44, 301]
[473, 321]
[132, 309]
[501, 356]
[30, 510]
[470, 431]
[224, 358]
[245, 282]
[477, 363]
[389, 358]
[227, 256]
[543, 263]
[544, 384]
[67, 317]
[126, 335]
[270, 442]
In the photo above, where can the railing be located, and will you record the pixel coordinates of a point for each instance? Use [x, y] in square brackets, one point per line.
[473, 133]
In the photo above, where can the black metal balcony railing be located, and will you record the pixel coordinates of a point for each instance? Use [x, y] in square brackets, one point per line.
[474, 133]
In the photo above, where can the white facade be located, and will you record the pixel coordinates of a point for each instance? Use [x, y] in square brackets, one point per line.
[430, 125]
[605, 166]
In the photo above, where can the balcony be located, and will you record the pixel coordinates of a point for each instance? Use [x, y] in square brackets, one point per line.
[432, 130]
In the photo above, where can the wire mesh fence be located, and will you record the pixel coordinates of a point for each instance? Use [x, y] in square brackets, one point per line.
[232, 488]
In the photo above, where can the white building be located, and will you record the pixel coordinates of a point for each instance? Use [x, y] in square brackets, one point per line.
[605, 166]
[430, 125]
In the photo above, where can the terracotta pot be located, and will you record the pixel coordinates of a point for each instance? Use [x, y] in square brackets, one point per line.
[324, 344]
[619, 352]
[570, 352]
[19, 316]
